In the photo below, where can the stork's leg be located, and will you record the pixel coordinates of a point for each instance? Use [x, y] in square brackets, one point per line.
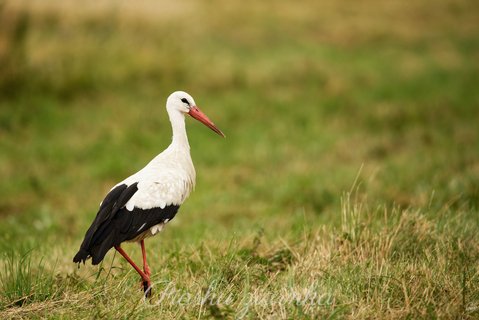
[144, 277]
[146, 269]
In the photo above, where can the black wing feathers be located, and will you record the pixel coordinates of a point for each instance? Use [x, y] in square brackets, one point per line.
[133, 223]
[126, 225]
[114, 224]
[104, 214]
[115, 199]
[103, 224]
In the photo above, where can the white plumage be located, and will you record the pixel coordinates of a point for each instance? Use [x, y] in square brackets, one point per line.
[167, 180]
[170, 177]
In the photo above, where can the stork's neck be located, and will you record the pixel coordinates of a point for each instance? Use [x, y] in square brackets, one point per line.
[180, 139]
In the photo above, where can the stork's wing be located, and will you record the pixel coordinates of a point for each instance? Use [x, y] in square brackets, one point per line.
[109, 207]
[127, 212]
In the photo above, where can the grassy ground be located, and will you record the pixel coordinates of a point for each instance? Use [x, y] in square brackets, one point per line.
[347, 187]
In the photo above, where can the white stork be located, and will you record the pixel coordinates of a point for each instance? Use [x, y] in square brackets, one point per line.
[140, 206]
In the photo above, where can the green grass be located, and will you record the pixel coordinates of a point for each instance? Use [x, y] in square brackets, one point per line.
[347, 186]
[22, 283]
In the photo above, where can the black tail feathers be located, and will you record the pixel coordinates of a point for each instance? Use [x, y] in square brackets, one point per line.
[81, 256]
[97, 252]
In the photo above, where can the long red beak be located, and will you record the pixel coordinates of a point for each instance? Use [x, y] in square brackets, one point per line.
[201, 117]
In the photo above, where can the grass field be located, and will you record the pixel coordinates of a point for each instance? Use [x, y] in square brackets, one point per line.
[347, 186]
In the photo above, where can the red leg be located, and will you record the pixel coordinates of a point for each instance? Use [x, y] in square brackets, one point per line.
[146, 268]
[145, 278]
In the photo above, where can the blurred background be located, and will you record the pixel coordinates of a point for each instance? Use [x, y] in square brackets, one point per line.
[316, 98]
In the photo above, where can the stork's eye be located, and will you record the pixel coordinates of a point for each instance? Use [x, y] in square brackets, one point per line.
[185, 101]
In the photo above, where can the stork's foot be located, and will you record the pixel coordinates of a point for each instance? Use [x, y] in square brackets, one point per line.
[147, 288]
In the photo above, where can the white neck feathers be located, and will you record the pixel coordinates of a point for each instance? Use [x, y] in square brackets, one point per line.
[180, 138]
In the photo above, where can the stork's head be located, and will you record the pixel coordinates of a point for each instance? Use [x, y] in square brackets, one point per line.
[184, 103]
